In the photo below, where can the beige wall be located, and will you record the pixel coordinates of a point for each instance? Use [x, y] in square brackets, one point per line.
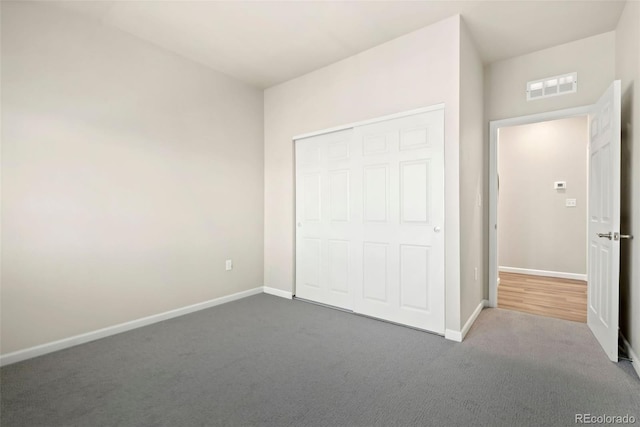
[418, 69]
[129, 175]
[628, 71]
[592, 58]
[535, 229]
[473, 246]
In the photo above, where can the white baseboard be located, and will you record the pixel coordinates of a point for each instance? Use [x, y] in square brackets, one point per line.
[39, 350]
[458, 336]
[558, 274]
[635, 360]
[452, 335]
[472, 319]
[278, 292]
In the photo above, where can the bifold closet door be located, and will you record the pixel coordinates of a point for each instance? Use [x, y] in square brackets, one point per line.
[370, 219]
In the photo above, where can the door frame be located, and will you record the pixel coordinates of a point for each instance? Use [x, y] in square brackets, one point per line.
[493, 180]
[345, 126]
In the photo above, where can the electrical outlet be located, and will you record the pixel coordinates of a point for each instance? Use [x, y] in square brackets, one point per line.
[560, 185]
[570, 203]
[475, 274]
[228, 265]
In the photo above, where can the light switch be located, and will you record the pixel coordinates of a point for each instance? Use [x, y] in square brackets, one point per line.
[570, 203]
[228, 265]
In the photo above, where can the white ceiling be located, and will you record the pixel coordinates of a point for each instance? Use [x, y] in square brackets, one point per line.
[268, 42]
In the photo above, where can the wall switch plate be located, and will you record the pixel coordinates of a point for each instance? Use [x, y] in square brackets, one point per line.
[479, 199]
[228, 265]
[560, 185]
[570, 203]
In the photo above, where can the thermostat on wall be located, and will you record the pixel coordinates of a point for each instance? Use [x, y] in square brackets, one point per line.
[560, 185]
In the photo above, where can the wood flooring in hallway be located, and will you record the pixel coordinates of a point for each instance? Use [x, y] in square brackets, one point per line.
[545, 296]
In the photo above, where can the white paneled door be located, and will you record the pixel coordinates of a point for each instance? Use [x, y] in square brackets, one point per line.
[370, 219]
[325, 221]
[604, 220]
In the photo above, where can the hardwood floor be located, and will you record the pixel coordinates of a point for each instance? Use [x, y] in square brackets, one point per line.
[545, 296]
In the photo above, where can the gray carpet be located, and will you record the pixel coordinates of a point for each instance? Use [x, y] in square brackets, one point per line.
[273, 362]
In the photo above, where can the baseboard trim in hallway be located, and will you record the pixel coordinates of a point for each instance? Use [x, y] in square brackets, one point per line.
[545, 273]
[73, 341]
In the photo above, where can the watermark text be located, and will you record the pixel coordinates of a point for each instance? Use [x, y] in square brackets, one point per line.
[604, 419]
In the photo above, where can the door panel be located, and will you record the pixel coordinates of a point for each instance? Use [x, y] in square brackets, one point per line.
[604, 220]
[411, 151]
[311, 262]
[338, 266]
[414, 138]
[312, 196]
[339, 195]
[370, 214]
[414, 192]
[376, 191]
[414, 273]
[374, 271]
[375, 144]
[324, 224]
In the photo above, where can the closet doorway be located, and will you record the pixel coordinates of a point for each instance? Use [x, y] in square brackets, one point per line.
[370, 220]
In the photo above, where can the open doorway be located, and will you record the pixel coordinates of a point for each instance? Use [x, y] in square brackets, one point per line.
[532, 198]
[603, 207]
[542, 218]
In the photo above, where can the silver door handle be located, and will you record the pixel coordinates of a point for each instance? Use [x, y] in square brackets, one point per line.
[626, 236]
[436, 229]
[606, 235]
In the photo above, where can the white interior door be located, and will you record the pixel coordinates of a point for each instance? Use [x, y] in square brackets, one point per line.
[370, 219]
[604, 220]
[325, 222]
[402, 254]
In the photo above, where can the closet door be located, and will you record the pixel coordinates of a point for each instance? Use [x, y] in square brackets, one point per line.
[370, 220]
[325, 220]
[401, 236]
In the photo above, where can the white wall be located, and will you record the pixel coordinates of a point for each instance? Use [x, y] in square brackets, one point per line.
[473, 239]
[129, 175]
[418, 69]
[592, 58]
[536, 230]
[627, 67]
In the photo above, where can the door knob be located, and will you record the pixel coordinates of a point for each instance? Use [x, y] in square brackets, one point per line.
[605, 235]
[436, 229]
[617, 236]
